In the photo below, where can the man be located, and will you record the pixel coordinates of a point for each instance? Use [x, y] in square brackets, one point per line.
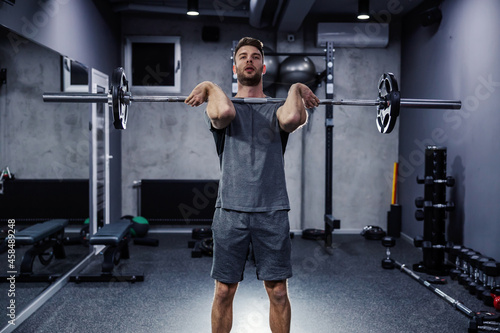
[252, 204]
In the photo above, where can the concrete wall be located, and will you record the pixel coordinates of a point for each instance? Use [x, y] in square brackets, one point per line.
[41, 140]
[457, 59]
[170, 141]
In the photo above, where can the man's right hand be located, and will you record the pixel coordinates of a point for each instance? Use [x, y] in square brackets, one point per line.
[220, 109]
[199, 95]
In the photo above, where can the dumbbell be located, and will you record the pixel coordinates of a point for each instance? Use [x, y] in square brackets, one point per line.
[495, 294]
[482, 284]
[484, 321]
[474, 327]
[469, 277]
[419, 215]
[419, 202]
[491, 270]
[434, 254]
[428, 180]
[417, 241]
[465, 254]
[448, 206]
[453, 257]
[482, 279]
[388, 242]
[449, 181]
[424, 206]
[475, 262]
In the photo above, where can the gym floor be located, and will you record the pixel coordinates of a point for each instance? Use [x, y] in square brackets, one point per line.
[344, 291]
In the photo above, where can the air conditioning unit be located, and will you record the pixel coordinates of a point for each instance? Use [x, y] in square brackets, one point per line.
[359, 35]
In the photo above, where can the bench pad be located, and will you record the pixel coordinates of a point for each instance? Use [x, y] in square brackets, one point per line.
[35, 233]
[111, 234]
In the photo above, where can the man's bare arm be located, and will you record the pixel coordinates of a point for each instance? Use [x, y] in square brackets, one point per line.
[220, 109]
[293, 114]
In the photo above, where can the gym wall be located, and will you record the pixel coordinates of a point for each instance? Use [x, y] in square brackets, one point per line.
[456, 59]
[38, 140]
[171, 141]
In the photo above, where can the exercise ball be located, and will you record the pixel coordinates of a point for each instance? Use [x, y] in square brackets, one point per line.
[297, 69]
[140, 227]
[272, 68]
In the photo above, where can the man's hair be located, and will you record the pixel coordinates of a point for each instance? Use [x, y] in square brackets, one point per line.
[249, 41]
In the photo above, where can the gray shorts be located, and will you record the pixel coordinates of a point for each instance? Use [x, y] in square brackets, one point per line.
[269, 234]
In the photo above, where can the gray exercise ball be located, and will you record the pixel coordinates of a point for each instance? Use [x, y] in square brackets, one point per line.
[297, 69]
[272, 68]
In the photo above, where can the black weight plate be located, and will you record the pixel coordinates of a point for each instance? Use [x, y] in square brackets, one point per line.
[207, 246]
[201, 233]
[313, 234]
[388, 110]
[487, 316]
[119, 86]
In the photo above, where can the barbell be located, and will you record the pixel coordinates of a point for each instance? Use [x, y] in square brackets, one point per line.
[388, 103]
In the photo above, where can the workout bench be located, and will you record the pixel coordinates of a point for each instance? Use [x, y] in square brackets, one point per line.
[115, 236]
[42, 236]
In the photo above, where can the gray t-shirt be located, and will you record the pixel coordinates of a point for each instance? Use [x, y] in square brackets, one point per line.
[251, 152]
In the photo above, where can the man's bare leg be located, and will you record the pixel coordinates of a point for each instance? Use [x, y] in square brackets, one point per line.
[222, 307]
[280, 310]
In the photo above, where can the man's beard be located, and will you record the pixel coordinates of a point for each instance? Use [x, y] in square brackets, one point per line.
[251, 81]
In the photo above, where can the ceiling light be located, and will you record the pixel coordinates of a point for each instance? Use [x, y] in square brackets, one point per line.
[193, 8]
[363, 9]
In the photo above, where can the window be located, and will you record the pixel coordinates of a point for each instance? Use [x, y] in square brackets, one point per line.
[75, 76]
[153, 63]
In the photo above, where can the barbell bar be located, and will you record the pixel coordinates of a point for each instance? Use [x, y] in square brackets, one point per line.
[388, 102]
[104, 98]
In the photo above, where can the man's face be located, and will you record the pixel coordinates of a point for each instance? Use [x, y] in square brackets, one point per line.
[249, 66]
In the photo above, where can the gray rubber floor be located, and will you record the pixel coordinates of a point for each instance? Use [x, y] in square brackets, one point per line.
[344, 290]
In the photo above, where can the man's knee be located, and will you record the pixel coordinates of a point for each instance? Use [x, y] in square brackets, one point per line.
[277, 291]
[225, 291]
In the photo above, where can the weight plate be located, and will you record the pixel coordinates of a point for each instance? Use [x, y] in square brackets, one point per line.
[313, 234]
[207, 246]
[201, 233]
[389, 97]
[119, 86]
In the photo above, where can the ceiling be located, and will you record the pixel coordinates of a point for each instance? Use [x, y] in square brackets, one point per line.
[285, 15]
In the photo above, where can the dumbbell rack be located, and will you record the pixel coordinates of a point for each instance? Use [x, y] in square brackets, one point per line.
[469, 266]
[431, 209]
